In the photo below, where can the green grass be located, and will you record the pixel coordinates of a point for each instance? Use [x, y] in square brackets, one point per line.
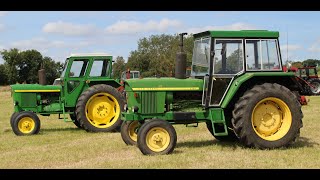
[61, 145]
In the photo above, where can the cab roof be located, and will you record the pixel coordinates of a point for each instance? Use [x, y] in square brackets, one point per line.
[90, 54]
[239, 34]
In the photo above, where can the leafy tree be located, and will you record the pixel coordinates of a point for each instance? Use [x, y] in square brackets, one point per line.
[23, 66]
[297, 64]
[29, 65]
[3, 75]
[311, 62]
[11, 59]
[118, 67]
[156, 54]
[53, 69]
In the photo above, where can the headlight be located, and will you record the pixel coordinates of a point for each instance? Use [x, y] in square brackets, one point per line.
[135, 109]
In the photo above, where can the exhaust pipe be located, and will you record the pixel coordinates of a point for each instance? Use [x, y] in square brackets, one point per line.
[181, 60]
[42, 75]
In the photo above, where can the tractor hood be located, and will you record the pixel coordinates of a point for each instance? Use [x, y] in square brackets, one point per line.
[164, 84]
[35, 88]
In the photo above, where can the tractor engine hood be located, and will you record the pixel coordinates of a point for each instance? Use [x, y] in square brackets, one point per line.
[34, 88]
[163, 84]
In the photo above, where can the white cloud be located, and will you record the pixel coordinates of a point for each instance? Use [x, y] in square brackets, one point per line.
[235, 26]
[3, 13]
[291, 47]
[2, 27]
[42, 44]
[129, 27]
[315, 47]
[288, 51]
[69, 29]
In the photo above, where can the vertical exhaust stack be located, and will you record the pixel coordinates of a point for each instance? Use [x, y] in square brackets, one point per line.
[181, 60]
[42, 75]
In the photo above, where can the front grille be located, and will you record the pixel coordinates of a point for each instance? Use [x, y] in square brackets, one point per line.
[148, 102]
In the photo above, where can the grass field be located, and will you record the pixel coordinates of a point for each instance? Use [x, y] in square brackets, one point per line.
[61, 145]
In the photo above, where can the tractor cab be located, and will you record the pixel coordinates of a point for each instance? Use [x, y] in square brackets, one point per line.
[220, 56]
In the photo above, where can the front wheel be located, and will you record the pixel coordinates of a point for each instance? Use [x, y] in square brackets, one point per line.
[25, 123]
[156, 137]
[267, 116]
[129, 132]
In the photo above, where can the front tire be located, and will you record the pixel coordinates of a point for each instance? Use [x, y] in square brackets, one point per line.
[25, 123]
[156, 137]
[267, 116]
[99, 109]
[129, 131]
[13, 116]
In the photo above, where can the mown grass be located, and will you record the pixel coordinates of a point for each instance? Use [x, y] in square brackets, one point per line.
[61, 145]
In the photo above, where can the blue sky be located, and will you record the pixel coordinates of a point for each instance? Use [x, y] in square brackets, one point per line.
[57, 34]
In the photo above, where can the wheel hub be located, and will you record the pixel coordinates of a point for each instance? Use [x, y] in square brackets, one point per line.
[157, 138]
[271, 118]
[26, 125]
[268, 120]
[102, 111]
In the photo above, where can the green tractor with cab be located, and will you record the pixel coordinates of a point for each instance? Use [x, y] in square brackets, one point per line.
[86, 92]
[237, 87]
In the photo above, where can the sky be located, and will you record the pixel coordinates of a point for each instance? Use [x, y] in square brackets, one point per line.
[57, 34]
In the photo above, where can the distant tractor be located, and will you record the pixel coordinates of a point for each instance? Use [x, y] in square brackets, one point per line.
[237, 87]
[85, 92]
[129, 74]
[309, 74]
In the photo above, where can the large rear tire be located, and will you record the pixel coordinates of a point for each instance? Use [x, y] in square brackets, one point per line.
[231, 137]
[99, 109]
[267, 116]
[73, 117]
[25, 123]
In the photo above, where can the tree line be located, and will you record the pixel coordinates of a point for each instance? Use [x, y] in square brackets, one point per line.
[22, 67]
[307, 62]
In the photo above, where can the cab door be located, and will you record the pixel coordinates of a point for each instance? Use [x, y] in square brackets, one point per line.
[75, 80]
[227, 62]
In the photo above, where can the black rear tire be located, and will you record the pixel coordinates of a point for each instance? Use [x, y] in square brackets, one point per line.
[267, 116]
[99, 109]
[75, 121]
[25, 123]
[231, 137]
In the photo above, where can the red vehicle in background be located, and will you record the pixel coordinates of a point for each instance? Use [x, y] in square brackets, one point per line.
[310, 75]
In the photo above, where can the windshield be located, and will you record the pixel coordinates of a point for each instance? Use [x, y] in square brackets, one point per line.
[200, 58]
[64, 68]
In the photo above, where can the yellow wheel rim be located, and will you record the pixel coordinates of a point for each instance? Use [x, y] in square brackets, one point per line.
[102, 110]
[271, 119]
[132, 130]
[158, 139]
[26, 125]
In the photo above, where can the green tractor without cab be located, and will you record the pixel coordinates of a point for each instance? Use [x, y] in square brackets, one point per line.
[237, 87]
[86, 93]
